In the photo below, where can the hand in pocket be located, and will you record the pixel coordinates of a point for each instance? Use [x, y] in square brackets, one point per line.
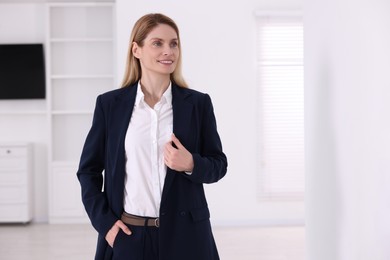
[113, 232]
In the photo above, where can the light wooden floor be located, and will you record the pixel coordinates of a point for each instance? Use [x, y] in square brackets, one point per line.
[77, 242]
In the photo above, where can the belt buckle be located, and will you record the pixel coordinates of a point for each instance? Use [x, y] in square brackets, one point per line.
[157, 222]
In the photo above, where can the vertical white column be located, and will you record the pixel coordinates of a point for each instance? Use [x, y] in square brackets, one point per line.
[347, 109]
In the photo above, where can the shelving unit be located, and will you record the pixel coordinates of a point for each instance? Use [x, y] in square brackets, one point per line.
[80, 65]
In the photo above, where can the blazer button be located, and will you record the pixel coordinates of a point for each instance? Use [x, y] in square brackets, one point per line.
[183, 213]
[162, 213]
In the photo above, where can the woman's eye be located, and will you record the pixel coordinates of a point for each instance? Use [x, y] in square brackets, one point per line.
[174, 44]
[157, 43]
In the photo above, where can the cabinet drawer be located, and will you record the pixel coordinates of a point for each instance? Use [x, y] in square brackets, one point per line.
[15, 213]
[13, 194]
[13, 163]
[12, 177]
[8, 151]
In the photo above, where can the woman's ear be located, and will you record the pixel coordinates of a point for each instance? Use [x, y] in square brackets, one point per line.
[135, 49]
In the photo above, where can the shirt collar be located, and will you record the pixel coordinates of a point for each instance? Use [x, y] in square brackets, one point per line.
[139, 99]
[168, 94]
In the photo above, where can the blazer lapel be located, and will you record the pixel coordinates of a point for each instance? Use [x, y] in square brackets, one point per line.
[182, 113]
[122, 110]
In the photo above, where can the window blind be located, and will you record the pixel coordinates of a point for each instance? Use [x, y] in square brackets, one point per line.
[280, 106]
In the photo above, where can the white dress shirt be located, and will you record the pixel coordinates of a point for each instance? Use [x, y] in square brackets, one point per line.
[148, 132]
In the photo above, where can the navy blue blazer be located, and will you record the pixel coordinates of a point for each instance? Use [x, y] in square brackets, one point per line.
[185, 230]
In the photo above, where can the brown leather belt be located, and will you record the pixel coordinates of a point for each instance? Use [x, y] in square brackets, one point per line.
[139, 221]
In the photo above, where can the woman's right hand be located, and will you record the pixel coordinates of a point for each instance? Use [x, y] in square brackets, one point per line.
[113, 232]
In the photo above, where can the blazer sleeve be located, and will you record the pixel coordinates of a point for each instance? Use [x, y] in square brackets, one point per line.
[210, 164]
[90, 174]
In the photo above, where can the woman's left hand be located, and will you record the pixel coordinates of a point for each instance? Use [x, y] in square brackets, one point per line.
[178, 159]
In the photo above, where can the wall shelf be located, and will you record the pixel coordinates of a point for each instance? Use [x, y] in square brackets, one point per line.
[23, 112]
[70, 112]
[82, 76]
[65, 40]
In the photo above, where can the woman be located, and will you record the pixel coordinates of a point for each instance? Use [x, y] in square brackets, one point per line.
[157, 143]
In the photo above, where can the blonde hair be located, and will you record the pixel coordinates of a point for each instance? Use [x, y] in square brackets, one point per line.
[140, 31]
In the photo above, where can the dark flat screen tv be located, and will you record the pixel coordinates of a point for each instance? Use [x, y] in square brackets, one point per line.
[22, 71]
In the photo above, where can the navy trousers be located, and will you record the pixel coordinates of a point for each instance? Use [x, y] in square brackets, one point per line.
[142, 244]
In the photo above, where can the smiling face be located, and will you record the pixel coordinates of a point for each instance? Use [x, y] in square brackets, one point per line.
[159, 52]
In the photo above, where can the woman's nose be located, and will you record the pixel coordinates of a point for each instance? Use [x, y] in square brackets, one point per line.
[167, 50]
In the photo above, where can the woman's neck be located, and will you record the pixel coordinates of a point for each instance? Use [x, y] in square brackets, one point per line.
[153, 88]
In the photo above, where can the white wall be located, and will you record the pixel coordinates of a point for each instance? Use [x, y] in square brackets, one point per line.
[25, 23]
[218, 41]
[347, 90]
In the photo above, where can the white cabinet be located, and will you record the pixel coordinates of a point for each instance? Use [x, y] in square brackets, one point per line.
[80, 65]
[15, 182]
